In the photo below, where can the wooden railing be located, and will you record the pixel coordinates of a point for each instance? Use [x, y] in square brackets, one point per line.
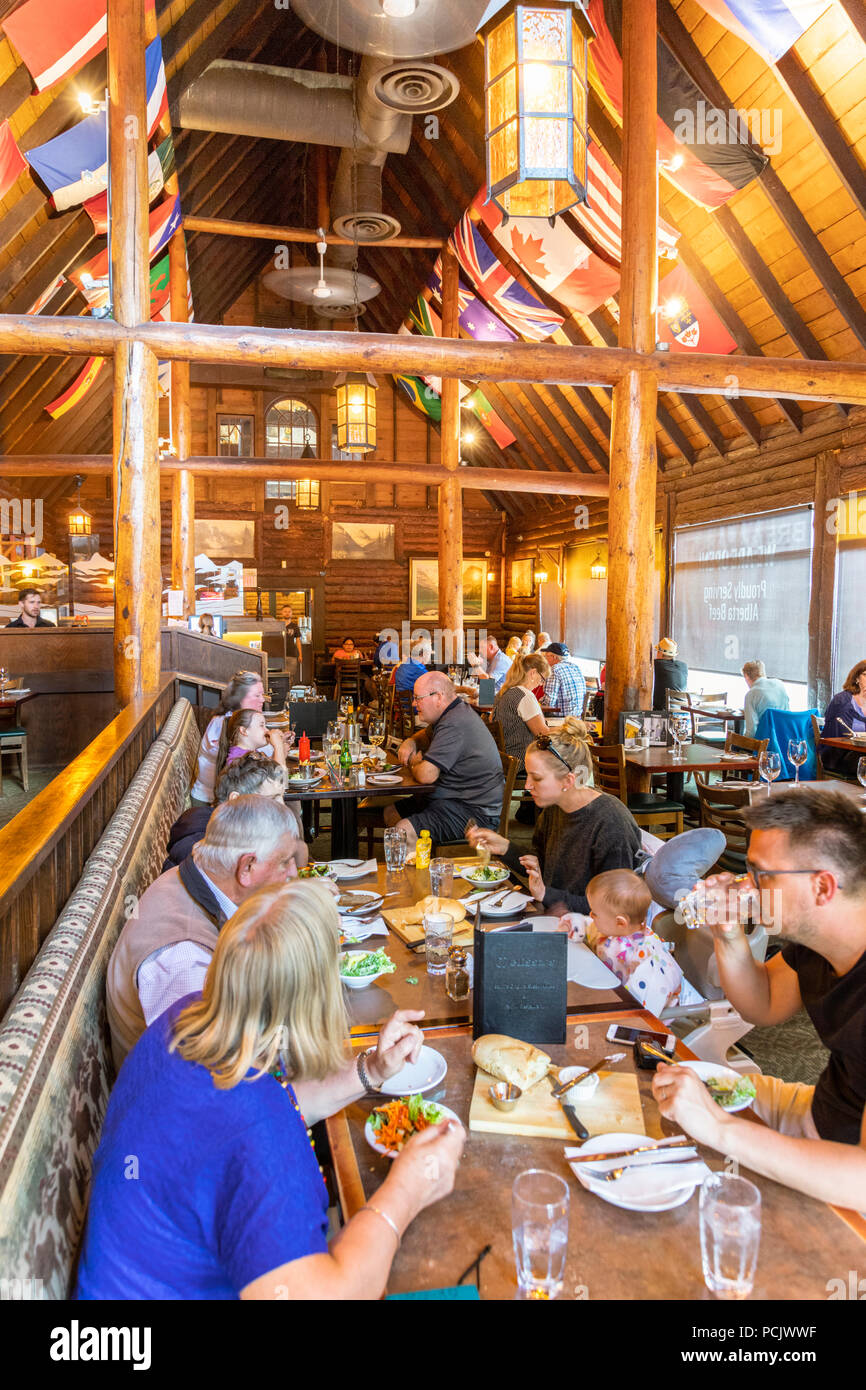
[44, 848]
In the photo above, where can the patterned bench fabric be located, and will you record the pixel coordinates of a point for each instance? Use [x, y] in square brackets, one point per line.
[55, 1055]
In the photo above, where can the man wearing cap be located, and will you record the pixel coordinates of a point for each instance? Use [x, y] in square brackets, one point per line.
[668, 673]
[565, 688]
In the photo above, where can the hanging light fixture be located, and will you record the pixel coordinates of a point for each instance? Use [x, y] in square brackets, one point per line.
[79, 521]
[307, 495]
[356, 412]
[535, 84]
[599, 568]
[539, 574]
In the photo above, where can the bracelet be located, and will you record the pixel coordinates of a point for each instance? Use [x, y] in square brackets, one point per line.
[363, 1075]
[377, 1211]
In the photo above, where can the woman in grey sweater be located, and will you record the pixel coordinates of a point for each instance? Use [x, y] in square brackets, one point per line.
[580, 833]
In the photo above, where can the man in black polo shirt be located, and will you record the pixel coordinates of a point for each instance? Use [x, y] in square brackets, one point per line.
[29, 604]
[807, 854]
[457, 755]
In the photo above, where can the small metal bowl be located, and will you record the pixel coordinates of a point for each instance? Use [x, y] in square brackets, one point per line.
[504, 1095]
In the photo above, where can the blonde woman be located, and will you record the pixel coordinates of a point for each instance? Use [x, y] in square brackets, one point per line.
[527, 646]
[580, 833]
[517, 708]
[514, 646]
[212, 1107]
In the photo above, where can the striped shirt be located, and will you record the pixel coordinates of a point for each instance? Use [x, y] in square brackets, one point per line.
[512, 708]
[565, 687]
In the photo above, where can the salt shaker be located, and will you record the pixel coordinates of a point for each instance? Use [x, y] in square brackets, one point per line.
[457, 974]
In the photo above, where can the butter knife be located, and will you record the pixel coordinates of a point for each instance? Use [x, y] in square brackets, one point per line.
[570, 1113]
[662, 1145]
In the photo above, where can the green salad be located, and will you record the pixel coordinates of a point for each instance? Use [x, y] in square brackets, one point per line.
[727, 1092]
[489, 875]
[314, 871]
[373, 963]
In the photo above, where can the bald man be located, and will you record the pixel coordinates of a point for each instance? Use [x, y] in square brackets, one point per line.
[456, 755]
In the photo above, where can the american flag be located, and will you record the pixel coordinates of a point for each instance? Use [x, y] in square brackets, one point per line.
[601, 214]
[516, 306]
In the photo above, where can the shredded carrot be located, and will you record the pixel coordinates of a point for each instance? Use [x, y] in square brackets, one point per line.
[398, 1127]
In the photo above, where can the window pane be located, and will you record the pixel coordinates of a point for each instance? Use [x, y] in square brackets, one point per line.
[290, 426]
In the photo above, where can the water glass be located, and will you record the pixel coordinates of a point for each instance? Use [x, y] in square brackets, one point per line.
[438, 929]
[395, 849]
[355, 745]
[798, 752]
[442, 877]
[730, 1234]
[539, 1228]
[769, 768]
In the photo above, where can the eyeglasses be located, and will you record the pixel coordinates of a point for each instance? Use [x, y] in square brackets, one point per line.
[545, 743]
[759, 874]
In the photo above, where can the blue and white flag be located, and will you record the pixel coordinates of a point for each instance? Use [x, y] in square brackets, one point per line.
[770, 27]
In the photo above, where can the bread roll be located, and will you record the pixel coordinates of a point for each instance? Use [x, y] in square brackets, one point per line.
[509, 1059]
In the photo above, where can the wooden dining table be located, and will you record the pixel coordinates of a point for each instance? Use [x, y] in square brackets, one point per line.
[344, 801]
[410, 987]
[850, 745]
[612, 1253]
[642, 763]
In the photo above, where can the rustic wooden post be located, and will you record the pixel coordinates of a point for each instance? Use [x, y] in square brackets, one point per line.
[822, 596]
[183, 483]
[450, 499]
[138, 580]
[633, 412]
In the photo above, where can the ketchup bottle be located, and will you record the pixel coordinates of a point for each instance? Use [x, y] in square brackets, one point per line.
[303, 749]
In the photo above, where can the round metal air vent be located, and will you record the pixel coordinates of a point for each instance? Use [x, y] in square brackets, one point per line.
[367, 226]
[363, 26]
[302, 282]
[339, 311]
[415, 88]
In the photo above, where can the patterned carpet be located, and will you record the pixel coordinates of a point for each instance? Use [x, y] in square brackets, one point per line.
[790, 1050]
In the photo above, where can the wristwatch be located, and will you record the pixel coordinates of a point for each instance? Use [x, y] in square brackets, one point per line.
[363, 1075]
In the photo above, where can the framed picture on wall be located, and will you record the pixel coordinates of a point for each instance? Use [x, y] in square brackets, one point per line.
[362, 540]
[424, 590]
[521, 578]
[224, 538]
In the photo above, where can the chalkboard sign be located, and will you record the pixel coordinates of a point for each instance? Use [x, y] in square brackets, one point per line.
[520, 985]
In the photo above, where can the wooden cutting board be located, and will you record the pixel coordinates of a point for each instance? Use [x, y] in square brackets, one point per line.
[406, 922]
[613, 1106]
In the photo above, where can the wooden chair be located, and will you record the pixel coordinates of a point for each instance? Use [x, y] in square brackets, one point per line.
[348, 681]
[816, 734]
[654, 813]
[14, 741]
[704, 728]
[721, 806]
[402, 714]
[740, 743]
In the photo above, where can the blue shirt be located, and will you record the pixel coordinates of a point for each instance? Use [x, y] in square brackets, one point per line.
[498, 669]
[196, 1191]
[407, 674]
[764, 693]
[565, 688]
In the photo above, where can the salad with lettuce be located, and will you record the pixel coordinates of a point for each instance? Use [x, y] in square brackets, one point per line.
[354, 966]
[727, 1092]
[315, 871]
[490, 874]
[395, 1123]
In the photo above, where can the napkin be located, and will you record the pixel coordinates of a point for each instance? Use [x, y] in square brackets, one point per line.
[369, 867]
[373, 926]
[585, 968]
[649, 1179]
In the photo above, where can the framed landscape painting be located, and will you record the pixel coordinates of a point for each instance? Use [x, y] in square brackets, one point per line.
[521, 578]
[365, 540]
[424, 590]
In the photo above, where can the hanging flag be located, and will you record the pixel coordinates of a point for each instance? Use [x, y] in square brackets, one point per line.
[57, 37]
[518, 307]
[770, 27]
[475, 318]
[494, 425]
[431, 386]
[164, 222]
[163, 378]
[38, 305]
[705, 151]
[160, 167]
[159, 286]
[422, 396]
[554, 257]
[11, 159]
[78, 390]
[687, 319]
[73, 166]
[601, 214]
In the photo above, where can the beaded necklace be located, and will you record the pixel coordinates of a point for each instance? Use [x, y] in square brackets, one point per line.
[280, 1073]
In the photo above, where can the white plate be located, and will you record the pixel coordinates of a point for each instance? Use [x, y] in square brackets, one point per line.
[368, 900]
[347, 868]
[380, 1148]
[360, 981]
[383, 779]
[508, 906]
[303, 784]
[706, 1070]
[417, 1077]
[610, 1143]
[469, 869]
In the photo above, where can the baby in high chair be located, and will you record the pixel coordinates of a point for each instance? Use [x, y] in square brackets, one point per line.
[616, 930]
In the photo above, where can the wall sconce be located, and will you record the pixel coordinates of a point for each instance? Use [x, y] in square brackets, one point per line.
[599, 568]
[79, 521]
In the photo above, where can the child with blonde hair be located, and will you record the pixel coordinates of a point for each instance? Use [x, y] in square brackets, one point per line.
[616, 931]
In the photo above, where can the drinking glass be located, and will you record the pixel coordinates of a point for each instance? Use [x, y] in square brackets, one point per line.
[769, 768]
[730, 1234]
[395, 849]
[861, 772]
[376, 732]
[355, 744]
[442, 876]
[680, 730]
[438, 930]
[539, 1228]
[4, 680]
[798, 752]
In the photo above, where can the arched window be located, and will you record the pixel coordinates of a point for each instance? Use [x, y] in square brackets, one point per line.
[290, 428]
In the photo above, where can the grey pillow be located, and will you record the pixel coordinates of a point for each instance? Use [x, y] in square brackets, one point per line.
[680, 862]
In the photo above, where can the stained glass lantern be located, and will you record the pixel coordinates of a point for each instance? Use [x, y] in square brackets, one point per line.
[356, 412]
[307, 494]
[535, 91]
[598, 569]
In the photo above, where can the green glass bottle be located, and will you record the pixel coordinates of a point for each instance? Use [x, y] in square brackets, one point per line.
[345, 761]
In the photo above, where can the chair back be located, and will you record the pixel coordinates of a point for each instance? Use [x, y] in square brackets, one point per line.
[608, 769]
[348, 680]
[740, 743]
[820, 774]
[496, 730]
[403, 714]
[722, 804]
[778, 727]
[510, 769]
[676, 699]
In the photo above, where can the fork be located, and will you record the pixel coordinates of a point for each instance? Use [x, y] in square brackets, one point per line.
[616, 1173]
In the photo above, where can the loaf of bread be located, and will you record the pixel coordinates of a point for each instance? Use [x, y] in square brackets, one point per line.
[509, 1059]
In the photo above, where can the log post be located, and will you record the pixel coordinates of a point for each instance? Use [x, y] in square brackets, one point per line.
[183, 483]
[450, 499]
[138, 579]
[633, 413]
[822, 594]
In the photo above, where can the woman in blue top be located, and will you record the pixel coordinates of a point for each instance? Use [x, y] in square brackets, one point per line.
[848, 707]
[205, 1184]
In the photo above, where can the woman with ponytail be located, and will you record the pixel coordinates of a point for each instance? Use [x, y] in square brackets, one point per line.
[244, 691]
[581, 832]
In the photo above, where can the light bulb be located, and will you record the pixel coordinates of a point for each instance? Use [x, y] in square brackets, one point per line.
[321, 291]
[673, 306]
[399, 9]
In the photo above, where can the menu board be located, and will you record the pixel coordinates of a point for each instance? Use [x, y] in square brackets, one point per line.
[520, 984]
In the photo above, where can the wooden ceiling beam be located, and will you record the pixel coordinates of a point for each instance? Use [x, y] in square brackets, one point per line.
[856, 12]
[220, 226]
[558, 397]
[228, 33]
[569, 448]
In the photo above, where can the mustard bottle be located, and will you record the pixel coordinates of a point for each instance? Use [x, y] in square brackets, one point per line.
[423, 850]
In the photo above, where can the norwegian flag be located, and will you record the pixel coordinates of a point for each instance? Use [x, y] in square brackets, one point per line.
[601, 214]
[517, 307]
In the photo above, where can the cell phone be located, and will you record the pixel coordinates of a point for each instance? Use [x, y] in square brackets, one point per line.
[619, 1034]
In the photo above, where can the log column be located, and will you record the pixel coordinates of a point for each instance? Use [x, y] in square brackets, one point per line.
[631, 577]
[138, 580]
[450, 499]
[822, 596]
[183, 483]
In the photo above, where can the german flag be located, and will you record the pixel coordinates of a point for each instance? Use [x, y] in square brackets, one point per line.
[78, 390]
[706, 152]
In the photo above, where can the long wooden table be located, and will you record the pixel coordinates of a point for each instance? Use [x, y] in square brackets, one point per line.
[641, 763]
[612, 1254]
[369, 1008]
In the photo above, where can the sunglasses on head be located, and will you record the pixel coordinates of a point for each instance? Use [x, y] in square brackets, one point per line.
[545, 743]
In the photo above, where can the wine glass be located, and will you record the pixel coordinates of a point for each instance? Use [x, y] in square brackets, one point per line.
[769, 768]
[861, 772]
[376, 732]
[798, 752]
[680, 730]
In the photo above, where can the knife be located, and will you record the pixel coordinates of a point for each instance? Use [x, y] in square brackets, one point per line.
[570, 1113]
[663, 1145]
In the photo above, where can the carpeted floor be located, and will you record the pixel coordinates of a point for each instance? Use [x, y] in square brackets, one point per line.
[14, 798]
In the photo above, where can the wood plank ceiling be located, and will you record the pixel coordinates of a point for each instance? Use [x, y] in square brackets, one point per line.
[783, 263]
